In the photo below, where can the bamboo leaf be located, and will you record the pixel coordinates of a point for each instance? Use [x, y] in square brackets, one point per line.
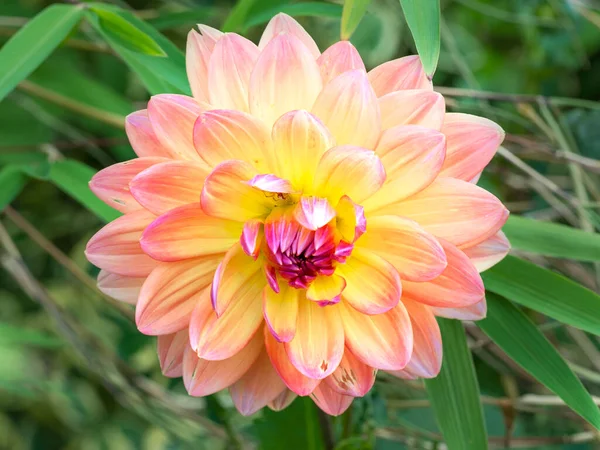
[12, 182]
[520, 339]
[423, 19]
[454, 393]
[353, 12]
[545, 291]
[27, 49]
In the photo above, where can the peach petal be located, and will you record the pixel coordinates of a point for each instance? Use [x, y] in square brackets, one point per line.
[488, 253]
[124, 289]
[348, 107]
[282, 23]
[283, 400]
[399, 74]
[188, 232]
[259, 386]
[168, 185]
[372, 284]
[472, 142]
[111, 185]
[326, 290]
[286, 77]
[476, 311]
[280, 310]
[383, 341]
[142, 137]
[412, 107]
[198, 50]
[459, 285]
[229, 68]
[202, 377]
[412, 156]
[116, 247]
[339, 58]
[170, 293]
[352, 377]
[416, 254]
[331, 401]
[318, 345]
[314, 212]
[170, 348]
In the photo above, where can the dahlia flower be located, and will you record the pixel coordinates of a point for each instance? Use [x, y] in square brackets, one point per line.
[298, 223]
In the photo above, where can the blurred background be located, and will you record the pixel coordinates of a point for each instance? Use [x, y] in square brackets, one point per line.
[74, 371]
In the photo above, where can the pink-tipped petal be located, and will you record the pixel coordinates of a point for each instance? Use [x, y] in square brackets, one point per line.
[383, 341]
[413, 157]
[198, 50]
[372, 284]
[283, 400]
[168, 185]
[350, 219]
[221, 135]
[352, 377]
[217, 338]
[116, 247]
[326, 290]
[281, 311]
[348, 170]
[339, 58]
[416, 254]
[202, 377]
[459, 285]
[286, 77]
[252, 237]
[170, 348]
[477, 311]
[399, 74]
[124, 289]
[488, 253]
[331, 401]
[318, 345]
[314, 212]
[412, 107]
[454, 210]
[142, 137]
[170, 293]
[271, 183]
[282, 23]
[349, 108]
[259, 386]
[293, 379]
[472, 142]
[111, 185]
[188, 232]
[228, 195]
[172, 117]
[229, 69]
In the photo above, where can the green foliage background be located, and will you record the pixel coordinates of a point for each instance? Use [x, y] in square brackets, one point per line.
[76, 374]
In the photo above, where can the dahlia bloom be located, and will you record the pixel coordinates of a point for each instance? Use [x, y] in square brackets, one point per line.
[298, 223]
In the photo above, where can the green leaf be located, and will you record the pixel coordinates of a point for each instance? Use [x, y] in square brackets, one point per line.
[423, 19]
[125, 33]
[454, 393]
[308, 9]
[551, 239]
[32, 44]
[353, 12]
[12, 335]
[520, 339]
[238, 14]
[545, 291]
[73, 177]
[12, 182]
[166, 20]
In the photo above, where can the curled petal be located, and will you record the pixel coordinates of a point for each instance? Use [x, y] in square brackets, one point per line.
[318, 345]
[202, 377]
[331, 401]
[348, 107]
[168, 185]
[172, 117]
[459, 285]
[198, 50]
[383, 341]
[116, 247]
[170, 293]
[412, 157]
[124, 289]
[282, 23]
[352, 377]
[286, 77]
[252, 237]
[281, 311]
[399, 74]
[337, 59]
[412, 107]
[142, 137]
[314, 212]
[188, 232]
[259, 386]
[283, 400]
[416, 254]
[489, 252]
[229, 69]
[350, 219]
[472, 142]
[271, 183]
[326, 290]
[476, 311]
[372, 284]
[170, 348]
[348, 170]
